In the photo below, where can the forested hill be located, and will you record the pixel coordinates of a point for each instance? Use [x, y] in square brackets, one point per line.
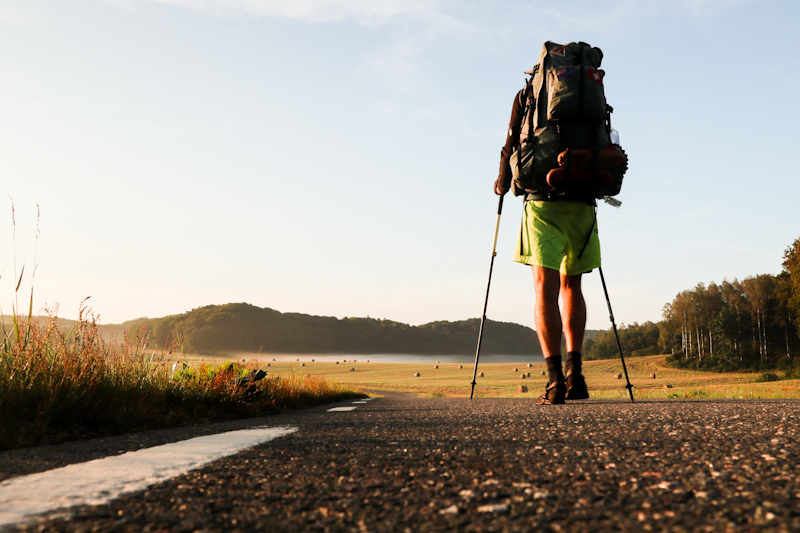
[241, 327]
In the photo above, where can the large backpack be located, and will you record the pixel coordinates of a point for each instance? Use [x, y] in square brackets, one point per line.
[564, 146]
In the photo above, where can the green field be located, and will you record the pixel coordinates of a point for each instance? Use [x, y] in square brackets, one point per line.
[503, 380]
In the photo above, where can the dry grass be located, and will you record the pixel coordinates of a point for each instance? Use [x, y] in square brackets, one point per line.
[500, 380]
[56, 387]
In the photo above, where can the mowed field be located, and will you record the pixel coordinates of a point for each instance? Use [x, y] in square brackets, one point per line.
[503, 380]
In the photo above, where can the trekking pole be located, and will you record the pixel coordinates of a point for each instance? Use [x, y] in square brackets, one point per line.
[486, 301]
[619, 344]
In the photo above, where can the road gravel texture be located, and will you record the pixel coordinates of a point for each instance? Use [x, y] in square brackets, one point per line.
[406, 464]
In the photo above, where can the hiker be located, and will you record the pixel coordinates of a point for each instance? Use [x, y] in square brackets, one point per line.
[559, 236]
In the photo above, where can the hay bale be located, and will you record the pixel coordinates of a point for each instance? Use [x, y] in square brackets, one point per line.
[435, 366]
[460, 366]
[516, 370]
[352, 370]
[541, 373]
[416, 374]
[481, 374]
[530, 365]
[522, 388]
[522, 376]
[302, 364]
[666, 386]
[652, 376]
[618, 376]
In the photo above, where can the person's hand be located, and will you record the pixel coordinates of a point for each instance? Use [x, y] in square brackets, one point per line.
[500, 188]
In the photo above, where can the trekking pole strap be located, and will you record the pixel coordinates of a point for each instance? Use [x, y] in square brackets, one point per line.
[589, 236]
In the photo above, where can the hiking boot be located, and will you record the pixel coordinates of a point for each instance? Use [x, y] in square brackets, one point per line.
[576, 387]
[554, 394]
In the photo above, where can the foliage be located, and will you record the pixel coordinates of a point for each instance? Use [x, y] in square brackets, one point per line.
[768, 376]
[241, 327]
[56, 387]
[791, 267]
[636, 339]
[735, 325]
[749, 324]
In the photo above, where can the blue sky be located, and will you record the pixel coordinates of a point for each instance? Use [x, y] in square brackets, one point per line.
[337, 157]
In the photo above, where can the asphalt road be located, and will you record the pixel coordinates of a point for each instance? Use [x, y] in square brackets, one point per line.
[405, 464]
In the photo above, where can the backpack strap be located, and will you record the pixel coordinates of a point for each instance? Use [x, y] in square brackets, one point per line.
[527, 110]
[582, 74]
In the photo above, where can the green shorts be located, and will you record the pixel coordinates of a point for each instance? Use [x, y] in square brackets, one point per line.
[553, 234]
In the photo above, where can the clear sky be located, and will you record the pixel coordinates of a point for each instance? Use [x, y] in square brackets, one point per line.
[337, 157]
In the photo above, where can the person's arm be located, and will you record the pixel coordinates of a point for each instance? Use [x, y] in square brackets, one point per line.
[503, 182]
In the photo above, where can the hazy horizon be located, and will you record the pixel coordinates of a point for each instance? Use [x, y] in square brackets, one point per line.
[336, 158]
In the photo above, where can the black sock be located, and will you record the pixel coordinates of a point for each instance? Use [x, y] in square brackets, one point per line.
[554, 372]
[573, 363]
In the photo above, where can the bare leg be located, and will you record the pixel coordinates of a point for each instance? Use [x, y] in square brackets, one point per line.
[574, 314]
[548, 316]
[548, 327]
[574, 318]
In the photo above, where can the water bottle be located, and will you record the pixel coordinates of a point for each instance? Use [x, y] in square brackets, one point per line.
[614, 138]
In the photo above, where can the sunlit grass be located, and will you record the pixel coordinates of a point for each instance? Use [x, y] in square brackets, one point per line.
[503, 381]
[56, 387]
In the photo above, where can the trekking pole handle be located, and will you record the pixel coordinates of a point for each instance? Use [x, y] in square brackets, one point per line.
[497, 226]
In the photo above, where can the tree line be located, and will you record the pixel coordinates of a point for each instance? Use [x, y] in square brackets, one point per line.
[240, 327]
[752, 324]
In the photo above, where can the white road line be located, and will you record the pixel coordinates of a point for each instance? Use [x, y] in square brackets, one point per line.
[98, 481]
[340, 409]
[360, 402]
